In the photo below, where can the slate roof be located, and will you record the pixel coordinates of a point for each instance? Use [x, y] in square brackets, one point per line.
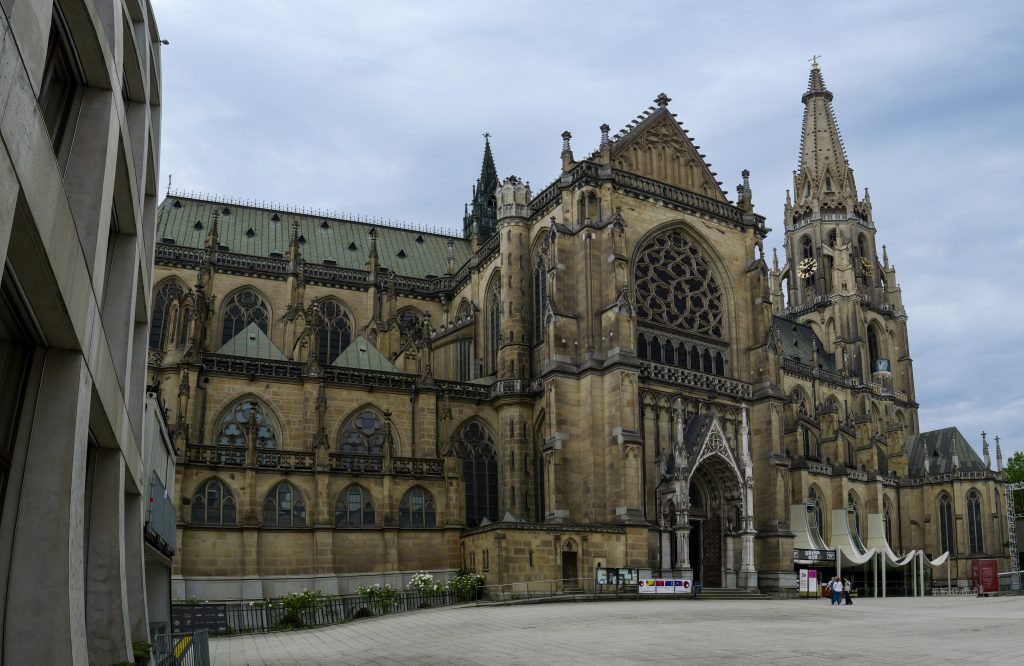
[253, 231]
[798, 341]
[939, 446]
[363, 355]
[252, 342]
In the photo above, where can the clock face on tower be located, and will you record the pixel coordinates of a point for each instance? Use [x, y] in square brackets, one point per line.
[807, 267]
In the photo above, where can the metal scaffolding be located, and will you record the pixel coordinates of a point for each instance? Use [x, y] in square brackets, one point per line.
[1011, 518]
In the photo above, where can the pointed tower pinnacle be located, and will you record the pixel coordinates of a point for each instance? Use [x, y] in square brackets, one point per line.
[984, 450]
[999, 456]
[824, 171]
[483, 212]
[212, 236]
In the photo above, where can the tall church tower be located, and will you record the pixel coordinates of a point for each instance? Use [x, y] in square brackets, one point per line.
[834, 280]
[482, 219]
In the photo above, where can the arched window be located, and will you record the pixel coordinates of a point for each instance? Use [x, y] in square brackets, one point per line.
[817, 510]
[465, 311]
[365, 434]
[670, 353]
[244, 308]
[540, 294]
[641, 346]
[284, 507]
[213, 504]
[354, 508]
[655, 350]
[853, 504]
[675, 286]
[947, 537]
[479, 473]
[832, 240]
[975, 542]
[334, 331]
[887, 522]
[417, 509]
[681, 355]
[247, 419]
[159, 326]
[494, 321]
[874, 352]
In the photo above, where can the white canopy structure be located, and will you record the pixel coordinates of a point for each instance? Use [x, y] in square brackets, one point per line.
[806, 536]
[846, 542]
[878, 541]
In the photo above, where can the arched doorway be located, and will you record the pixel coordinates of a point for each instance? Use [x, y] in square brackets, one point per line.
[570, 566]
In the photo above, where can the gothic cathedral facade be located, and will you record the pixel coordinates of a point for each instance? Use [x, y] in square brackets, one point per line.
[605, 373]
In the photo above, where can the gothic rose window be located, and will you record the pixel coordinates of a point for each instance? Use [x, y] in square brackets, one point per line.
[479, 473]
[675, 287]
[409, 327]
[244, 308]
[363, 434]
[159, 326]
[248, 418]
[335, 331]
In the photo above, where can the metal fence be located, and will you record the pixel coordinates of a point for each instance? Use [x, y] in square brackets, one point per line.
[184, 649]
[271, 615]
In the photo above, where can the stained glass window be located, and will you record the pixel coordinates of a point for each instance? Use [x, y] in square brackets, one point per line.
[244, 308]
[335, 331]
[974, 534]
[213, 504]
[247, 418]
[159, 326]
[417, 509]
[354, 508]
[365, 433]
[479, 473]
[284, 507]
[947, 537]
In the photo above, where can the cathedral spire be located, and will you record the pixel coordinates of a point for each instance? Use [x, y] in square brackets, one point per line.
[824, 171]
[482, 208]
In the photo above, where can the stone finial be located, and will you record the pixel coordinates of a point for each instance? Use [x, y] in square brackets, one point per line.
[212, 236]
[373, 261]
[775, 260]
[885, 258]
[984, 450]
[604, 135]
[566, 136]
[999, 456]
[662, 100]
[956, 462]
[451, 255]
[567, 159]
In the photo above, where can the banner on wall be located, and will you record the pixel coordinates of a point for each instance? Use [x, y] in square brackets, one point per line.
[665, 586]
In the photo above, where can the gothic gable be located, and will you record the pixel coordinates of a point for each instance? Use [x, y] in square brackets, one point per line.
[658, 148]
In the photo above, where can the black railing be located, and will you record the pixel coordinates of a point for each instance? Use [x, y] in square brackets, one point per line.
[271, 615]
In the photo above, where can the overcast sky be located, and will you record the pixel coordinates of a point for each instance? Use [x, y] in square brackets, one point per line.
[377, 108]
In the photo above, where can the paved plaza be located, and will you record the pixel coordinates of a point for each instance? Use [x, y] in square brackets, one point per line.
[933, 630]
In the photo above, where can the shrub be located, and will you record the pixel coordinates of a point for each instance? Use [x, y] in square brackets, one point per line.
[383, 595]
[465, 586]
[425, 585]
[294, 605]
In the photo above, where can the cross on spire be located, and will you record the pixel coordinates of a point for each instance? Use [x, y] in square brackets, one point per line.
[814, 61]
[487, 135]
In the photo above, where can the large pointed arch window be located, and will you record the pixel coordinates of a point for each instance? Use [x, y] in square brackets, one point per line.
[888, 518]
[244, 308]
[853, 506]
[160, 325]
[816, 511]
[354, 508]
[247, 420]
[494, 322]
[417, 509]
[947, 536]
[975, 541]
[213, 504]
[284, 507]
[479, 473]
[334, 331]
[364, 434]
[540, 291]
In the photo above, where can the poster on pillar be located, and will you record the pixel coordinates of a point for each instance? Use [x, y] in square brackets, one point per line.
[666, 585]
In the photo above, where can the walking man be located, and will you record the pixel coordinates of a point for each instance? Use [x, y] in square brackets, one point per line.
[836, 587]
[847, 588]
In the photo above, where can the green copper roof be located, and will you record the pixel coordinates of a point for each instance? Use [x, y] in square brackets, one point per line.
[362, 355]
[252, 343]
[799, 342]
[254, 231]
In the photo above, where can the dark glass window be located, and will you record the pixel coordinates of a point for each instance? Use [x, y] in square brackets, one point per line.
[167, 295]
[494, 321]
[244, 308]
[15, 361]
[335, 331]
[284, 507]
[354, 508]
[417, 509]
[887, 518]
[947, 537]
[213, 504]
[974, 535]
[479, 473]
[540, 294]
[60, 81]
[247, 419]
[817, 512]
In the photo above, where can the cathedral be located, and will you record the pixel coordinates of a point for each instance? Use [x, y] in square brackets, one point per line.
[608, 372]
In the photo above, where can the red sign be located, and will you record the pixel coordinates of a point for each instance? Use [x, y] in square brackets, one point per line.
[985, 574]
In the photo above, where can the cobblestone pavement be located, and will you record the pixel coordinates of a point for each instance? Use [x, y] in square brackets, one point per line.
[933, 630]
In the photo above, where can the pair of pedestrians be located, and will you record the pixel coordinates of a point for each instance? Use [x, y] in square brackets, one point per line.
[840, 588]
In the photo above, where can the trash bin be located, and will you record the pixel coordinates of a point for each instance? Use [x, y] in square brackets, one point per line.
[696, 588]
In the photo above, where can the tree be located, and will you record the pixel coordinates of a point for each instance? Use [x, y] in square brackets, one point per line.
[1014, 470]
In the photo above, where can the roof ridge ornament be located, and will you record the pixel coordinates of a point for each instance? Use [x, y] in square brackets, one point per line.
[662, 100]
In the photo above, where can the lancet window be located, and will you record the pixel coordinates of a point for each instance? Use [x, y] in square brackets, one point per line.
[479, 473]
[213, 504]
[335, 331]
[284, 507]
[947, 537]
[494, 321]
[540, 295]
[161, 324]
[244, 308]
[417, 509]
[975, 542]
[247, 419]
[354, 508]
[887, 520]
[816, 513]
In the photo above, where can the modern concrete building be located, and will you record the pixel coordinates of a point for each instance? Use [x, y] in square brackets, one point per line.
[79, 153]
[607, 372]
